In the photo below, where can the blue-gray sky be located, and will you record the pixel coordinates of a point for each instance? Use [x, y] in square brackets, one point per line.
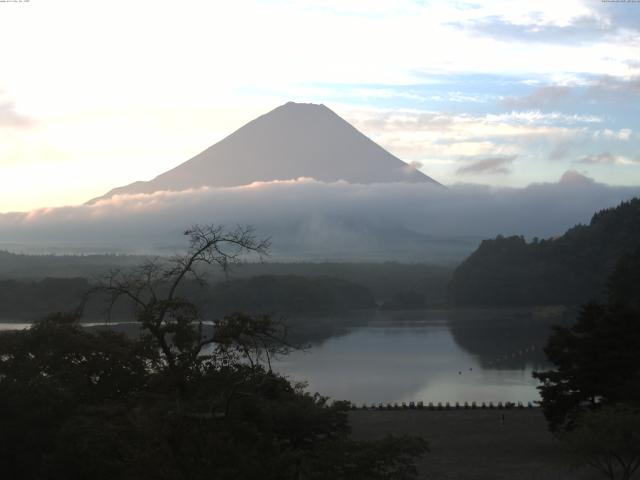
[97, 94]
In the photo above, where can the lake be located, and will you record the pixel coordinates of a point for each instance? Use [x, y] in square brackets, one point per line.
[430, 356]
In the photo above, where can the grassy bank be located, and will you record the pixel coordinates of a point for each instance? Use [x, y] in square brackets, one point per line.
[475, 444]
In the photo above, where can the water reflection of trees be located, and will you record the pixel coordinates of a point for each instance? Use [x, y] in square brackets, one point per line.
[500, 339]
[302, 330]
[506, 339]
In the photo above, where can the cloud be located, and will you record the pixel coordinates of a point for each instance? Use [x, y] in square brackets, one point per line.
[600, 158]
[619, 16]
[420, 134]
[489, 165]
[585, 22]
[609, 86]
[541, 97]
[542, 118]
[582, 91]
[560, 151]
[607, 158]
[307, 219]
[622, 134]
[9, 117]
[633, 63]
[581, 29]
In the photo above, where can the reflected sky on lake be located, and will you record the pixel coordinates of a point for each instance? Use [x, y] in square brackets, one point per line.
[391, 360]
[4, 327]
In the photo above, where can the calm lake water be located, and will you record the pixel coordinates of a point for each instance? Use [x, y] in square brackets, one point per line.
[8, 324]
[429, 356]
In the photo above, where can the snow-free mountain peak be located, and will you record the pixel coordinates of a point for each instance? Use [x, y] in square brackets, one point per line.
[292, 141]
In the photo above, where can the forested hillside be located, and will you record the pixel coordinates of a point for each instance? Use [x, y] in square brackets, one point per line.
[570, 269]
[392, 284]
[287, 293]
[37, 267]
[30, 300]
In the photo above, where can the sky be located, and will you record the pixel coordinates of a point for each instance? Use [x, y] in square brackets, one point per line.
[505, 93]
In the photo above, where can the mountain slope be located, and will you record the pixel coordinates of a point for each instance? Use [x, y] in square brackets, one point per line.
[571, 269]
[292, 141]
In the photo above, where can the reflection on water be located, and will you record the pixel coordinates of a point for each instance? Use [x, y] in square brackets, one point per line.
[453, 356]
[7, 325]
[13, 326]
[430, 356]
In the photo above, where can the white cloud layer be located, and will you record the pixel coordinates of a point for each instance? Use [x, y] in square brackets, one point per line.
[310, 219]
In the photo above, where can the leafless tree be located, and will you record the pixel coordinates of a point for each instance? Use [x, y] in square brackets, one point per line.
[174, 323]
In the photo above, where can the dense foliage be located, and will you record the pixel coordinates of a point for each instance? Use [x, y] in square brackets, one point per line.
[265, 293]
[571, 269]
[608, 440]
[288, 293]
[33, 299]
[177, 403]
[597, 360]
[383, 280]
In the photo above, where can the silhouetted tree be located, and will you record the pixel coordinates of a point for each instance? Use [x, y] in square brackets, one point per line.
[608, 440]
[154, 290]
[51, 372]
[597, 360]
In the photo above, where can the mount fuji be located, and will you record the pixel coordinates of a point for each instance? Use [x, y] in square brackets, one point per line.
[292, 141]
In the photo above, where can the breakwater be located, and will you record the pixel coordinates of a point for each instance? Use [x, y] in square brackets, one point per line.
[420, 405]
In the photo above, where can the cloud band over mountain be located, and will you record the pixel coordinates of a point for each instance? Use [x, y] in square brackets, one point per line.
[311, 219]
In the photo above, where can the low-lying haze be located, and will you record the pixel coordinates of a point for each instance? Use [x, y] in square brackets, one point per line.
[309, 219]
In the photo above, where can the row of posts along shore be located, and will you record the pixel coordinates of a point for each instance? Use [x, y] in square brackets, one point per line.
[446, 406]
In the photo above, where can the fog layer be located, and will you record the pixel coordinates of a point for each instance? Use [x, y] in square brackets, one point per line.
[308, 219]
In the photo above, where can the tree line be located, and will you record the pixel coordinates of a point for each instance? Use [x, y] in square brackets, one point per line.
[571, 269]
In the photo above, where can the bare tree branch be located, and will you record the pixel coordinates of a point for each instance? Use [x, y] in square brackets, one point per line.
[176, 324]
